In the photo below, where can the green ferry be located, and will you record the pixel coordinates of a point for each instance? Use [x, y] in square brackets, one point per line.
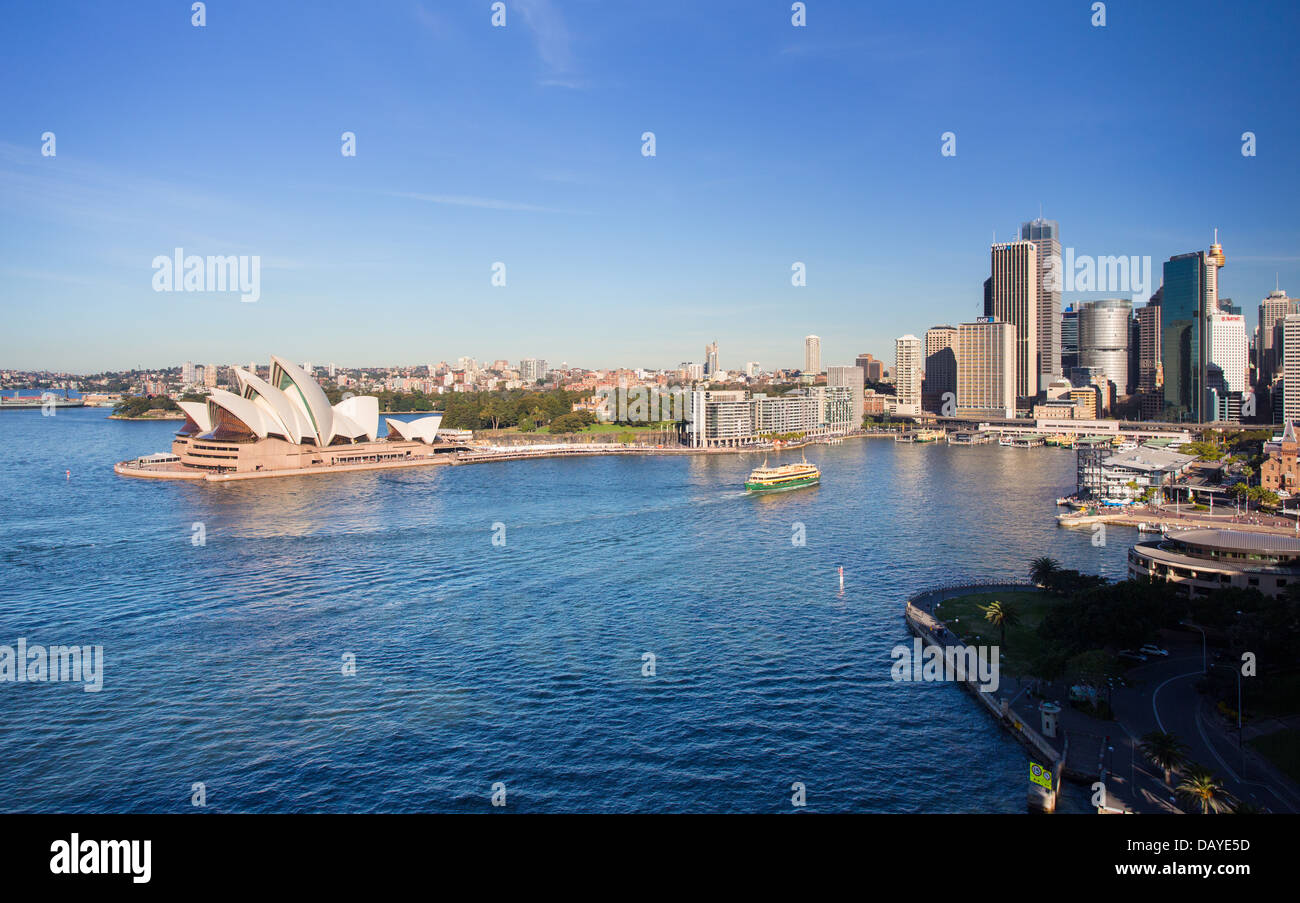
[789, 476]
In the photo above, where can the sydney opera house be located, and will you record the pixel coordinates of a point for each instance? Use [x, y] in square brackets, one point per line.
[286, 425]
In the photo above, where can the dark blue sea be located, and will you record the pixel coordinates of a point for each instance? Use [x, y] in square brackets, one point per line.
[522, 664]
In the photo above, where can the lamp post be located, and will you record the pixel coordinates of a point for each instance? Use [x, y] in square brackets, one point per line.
[1204, 660]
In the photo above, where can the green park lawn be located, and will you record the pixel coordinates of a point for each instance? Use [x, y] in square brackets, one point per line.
[617, 428]
[1282, 748]
[964, 618]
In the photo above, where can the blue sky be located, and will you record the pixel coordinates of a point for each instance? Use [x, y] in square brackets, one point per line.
[522, 145]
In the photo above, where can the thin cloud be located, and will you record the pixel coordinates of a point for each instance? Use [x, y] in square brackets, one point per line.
[551, 37]
[461, 200]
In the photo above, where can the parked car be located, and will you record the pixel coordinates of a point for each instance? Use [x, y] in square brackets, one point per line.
[1149, 649]
[1129, 653]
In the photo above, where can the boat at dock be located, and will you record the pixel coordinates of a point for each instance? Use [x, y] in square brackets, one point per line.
[787, 476]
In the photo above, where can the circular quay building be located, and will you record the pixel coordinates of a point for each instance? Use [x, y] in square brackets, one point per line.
[286, 425]
[1197, 561]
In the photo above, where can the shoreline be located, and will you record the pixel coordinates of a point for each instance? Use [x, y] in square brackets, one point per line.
[173, 471]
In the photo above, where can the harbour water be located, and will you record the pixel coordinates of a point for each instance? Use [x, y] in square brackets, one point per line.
[522, 663]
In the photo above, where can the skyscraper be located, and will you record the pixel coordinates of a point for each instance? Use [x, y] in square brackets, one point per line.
[210, 376]
[986, 369]
[188, 373]
[812, 354]
[1015, 289]
[1151, 400]
[1190, 293]
[1069, 338]
[711, 358]
[532, 369]
[940, 366]
[1228, 348]
[1290, 369]
[1103, 339]
[1046, 236]
[907, 374]
[1271, 311]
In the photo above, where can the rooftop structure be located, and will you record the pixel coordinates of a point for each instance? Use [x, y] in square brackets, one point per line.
[1198, 561]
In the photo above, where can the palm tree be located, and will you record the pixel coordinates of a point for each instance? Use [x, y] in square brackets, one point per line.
[1003, 616]
[1164, 751]
[1200, 786]
[1042, 569]
[1241, 807]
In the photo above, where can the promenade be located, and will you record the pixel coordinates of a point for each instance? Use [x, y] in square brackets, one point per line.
[1156, 695]
[1170, 517]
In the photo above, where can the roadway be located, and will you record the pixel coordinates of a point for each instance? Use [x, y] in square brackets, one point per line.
[1162, 696]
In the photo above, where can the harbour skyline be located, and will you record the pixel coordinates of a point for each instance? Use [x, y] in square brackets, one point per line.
[565, 406]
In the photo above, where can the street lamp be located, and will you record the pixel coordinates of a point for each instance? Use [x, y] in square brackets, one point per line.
[1204, 660]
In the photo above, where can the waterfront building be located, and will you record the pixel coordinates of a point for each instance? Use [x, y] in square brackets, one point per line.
[908, 371]
[1089, 453]
[1128, 475]
[812, 354]
[850, 378]
[1201, 561]
[1190, 293]
[720, 418]
[736, 418]
[1280, 470]
[940, 367]
[1046, 237]
[284, 424]
[1014, 294]
[986, 369]
[1104, 337]
[1103, 473]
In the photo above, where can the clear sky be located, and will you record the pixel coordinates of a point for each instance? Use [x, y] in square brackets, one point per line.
[522, 144]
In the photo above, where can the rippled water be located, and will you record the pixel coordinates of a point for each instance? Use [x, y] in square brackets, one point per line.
[521, 664]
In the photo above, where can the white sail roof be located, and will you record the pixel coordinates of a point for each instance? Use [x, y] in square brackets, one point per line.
[425, 429]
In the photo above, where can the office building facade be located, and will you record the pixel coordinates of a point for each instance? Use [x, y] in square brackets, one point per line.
[1046, 237]
[986, 369]
[1104, 337]
[1014, 289]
